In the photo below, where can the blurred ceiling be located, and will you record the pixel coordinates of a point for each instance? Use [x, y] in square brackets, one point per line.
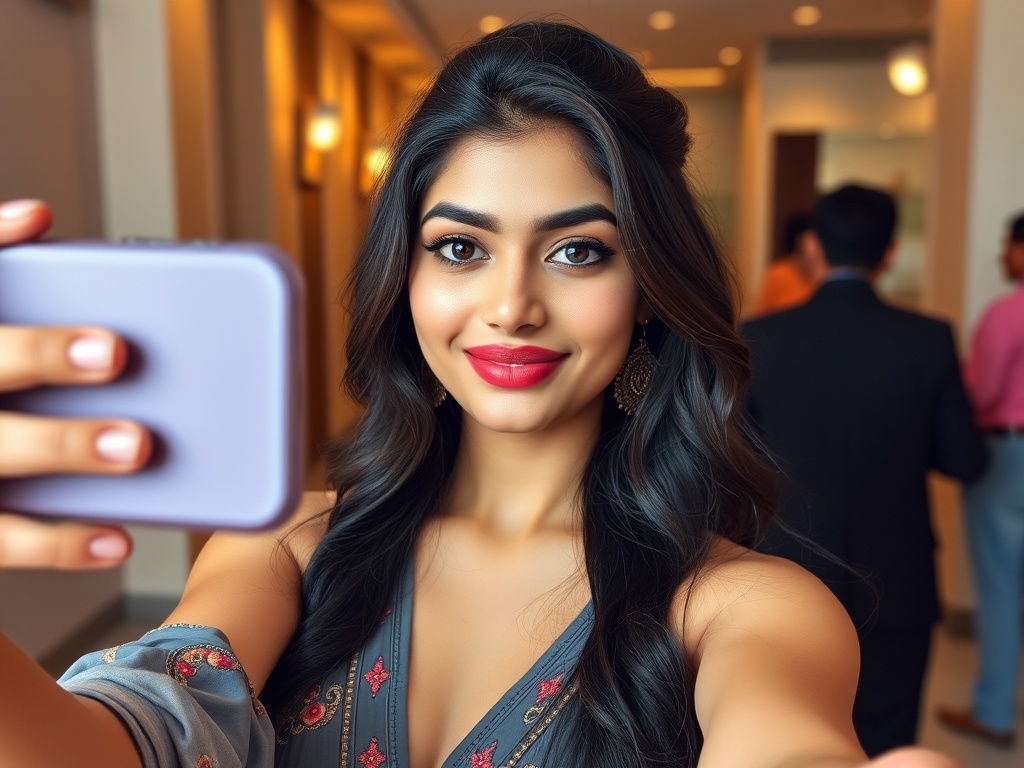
[847, 28]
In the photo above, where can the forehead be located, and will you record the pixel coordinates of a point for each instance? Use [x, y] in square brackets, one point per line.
[541, 170]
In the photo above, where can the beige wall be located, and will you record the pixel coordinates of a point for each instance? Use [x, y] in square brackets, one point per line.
[48, 150]
[977, 167]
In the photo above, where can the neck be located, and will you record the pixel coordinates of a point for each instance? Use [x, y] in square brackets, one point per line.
[516, 485]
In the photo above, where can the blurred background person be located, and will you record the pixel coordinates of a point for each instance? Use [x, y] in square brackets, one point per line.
[794, 274]
[857, 400]
[994, 506]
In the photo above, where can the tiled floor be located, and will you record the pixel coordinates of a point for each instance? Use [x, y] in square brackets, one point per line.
[949, 682]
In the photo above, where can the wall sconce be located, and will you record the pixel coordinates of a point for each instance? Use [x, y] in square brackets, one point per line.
[376, 159]
[319, 131]
[908, 69]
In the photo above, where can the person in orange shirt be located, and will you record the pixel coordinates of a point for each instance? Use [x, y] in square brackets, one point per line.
[793, 276]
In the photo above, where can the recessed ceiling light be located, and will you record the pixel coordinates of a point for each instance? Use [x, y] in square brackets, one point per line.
[730, 55]
[908, 70]
[806, 15]
[490, 24]
[662, 20]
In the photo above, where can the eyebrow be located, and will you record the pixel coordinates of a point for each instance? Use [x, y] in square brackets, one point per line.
[559, 220]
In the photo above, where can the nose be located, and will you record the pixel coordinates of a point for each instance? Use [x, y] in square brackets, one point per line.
[514, 301]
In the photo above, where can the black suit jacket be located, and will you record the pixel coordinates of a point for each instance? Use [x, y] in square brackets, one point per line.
[857, 400]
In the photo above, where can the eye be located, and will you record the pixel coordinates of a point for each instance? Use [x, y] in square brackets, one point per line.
[581, 253]
[455, 250]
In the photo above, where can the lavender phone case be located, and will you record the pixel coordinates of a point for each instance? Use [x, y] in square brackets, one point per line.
[215, 371]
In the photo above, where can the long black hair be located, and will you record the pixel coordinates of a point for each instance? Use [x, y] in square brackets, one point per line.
[659, 484]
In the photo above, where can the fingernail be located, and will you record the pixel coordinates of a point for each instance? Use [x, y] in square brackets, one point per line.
[108, 547]
[17, 209]
[120, 445]
[92, 353]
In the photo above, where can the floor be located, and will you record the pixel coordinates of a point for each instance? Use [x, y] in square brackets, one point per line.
[948, 682]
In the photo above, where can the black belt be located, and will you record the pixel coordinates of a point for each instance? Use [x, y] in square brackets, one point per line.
[1004, 431]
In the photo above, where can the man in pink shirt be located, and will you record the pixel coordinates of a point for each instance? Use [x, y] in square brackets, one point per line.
[994, 506]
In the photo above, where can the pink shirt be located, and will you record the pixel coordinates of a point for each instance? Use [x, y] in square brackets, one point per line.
[995, 373]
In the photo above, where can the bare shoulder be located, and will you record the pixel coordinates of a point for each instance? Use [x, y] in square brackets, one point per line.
[740, 591]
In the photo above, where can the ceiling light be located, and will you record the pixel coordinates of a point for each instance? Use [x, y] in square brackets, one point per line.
[806, 15]
[730, 55]
[908, 71]
[687, 77]
[490, 24]
[662, 20]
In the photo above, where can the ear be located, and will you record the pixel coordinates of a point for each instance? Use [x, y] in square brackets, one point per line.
[644, 313]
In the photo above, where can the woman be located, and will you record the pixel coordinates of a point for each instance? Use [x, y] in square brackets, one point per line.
[537, 554]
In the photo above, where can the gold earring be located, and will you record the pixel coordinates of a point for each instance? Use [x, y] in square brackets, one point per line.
[436, 392]
[632, 381]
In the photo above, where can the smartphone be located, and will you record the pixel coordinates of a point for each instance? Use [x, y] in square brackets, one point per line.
[215, 372]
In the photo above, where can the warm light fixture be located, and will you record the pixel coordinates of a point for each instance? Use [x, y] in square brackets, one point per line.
[490, 24]
[908, 70]
[730, 56]
[806, 15]
[687, 77]
[376, 159]
[318, 132]
[323, 129]
[662, 20]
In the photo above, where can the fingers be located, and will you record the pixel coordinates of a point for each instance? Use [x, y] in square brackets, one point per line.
[30, 356]
[33, 445]
[22, 220]
[26, 543]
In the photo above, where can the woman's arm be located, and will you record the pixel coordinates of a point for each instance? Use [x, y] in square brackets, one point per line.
[246, 585]
[777, 671]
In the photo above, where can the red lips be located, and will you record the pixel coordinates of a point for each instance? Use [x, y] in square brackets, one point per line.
[513, 367]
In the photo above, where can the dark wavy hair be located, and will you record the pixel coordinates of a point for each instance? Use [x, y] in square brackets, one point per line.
[659, 484]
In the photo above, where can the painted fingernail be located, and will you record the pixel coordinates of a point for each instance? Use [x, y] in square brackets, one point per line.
[92, 353]
[120, 445]
[17, 209]
[108, 547]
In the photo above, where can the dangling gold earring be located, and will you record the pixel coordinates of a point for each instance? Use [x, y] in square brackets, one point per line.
[632, 381]
[436, 392]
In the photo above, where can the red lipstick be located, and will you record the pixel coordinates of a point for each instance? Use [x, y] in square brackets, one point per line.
[513, 367]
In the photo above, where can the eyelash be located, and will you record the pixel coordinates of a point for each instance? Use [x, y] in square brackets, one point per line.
[603, 251]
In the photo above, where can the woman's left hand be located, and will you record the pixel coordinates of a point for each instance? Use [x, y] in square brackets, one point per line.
[912, 757]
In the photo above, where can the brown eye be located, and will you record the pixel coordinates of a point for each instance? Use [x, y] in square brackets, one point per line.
[462, 250]
[582, 253]
[576, 254]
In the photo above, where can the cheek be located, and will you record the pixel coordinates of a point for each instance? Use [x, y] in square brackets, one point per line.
[603, 319]
[437, 309]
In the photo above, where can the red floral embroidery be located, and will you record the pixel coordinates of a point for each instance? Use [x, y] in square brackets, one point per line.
[205, 761]
[548, 688]
[308, 714]
[377, 676]
[185, 662]
[482, 759]
[372, 757]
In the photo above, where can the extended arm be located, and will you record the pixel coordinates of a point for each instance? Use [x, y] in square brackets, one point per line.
[778, 665]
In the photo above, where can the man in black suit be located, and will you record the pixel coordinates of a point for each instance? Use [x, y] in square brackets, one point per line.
[857, 401]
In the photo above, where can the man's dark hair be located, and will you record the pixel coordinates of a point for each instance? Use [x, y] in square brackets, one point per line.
[796, 225]
[1017, 228]
[855, 225]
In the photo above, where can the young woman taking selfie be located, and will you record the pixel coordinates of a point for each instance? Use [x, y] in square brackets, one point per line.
[538, 550]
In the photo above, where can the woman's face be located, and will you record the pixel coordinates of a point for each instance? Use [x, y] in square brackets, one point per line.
[521, 298]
